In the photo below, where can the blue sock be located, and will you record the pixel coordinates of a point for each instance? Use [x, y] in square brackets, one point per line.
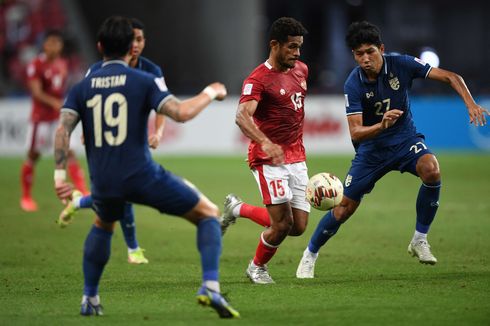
[129, 227]
[325, 229]
[209, 245]
[427, 204]
[86, 201]
[95, 256]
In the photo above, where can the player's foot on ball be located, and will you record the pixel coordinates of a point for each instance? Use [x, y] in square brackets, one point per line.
[137, 257]
[421, 250]
[227, 219]
[306, 267]
[258, 274]
[215, 300]
[89, 309]
[28, 204]
[68, 213]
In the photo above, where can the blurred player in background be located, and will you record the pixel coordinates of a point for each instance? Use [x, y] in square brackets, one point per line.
[46, 78]
[385, 137]
[113, 104]
[271, 114]
[128, 226]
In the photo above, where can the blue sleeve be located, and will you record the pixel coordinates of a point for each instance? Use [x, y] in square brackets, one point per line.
[71, 102]
[157, 71]
[416, 67]
[158, 93]
[353, 103]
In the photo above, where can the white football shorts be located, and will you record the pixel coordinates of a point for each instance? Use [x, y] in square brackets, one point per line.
[40, 136]
[282, 183]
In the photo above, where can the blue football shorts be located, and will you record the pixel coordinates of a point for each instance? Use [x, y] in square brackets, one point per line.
[157, 188]
[371, 165]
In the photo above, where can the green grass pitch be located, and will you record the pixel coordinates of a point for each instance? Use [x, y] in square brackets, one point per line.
[364, 275]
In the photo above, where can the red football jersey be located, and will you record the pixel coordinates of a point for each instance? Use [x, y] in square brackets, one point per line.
[280, 111]
[53, 81]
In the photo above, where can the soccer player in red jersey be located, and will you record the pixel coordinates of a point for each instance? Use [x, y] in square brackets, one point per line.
[271, 114]
[46, 75]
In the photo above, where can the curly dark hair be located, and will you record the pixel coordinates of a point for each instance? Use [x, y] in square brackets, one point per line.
[284, 27]
[360, 33]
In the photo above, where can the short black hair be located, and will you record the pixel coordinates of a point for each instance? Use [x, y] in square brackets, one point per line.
[284, 27]
[115, 35]
[138, 24]
[54, 33]
[360, 33]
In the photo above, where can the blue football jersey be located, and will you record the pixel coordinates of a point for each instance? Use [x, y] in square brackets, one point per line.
[390, 91]
[113, 104]
[143, 64]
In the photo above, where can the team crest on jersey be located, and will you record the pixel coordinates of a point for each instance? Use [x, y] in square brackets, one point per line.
[303, 84]
[348, 180]
[394, 83]
[247, 89]
[282, 91]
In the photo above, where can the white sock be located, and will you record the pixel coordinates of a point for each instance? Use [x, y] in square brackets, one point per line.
[212, 285]
[308, 253]
[95, 301]
[76, 202]
[236, 210]
[130, 251]
[417, 236]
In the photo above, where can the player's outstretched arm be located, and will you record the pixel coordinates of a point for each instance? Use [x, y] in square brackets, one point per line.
[154, 140]
[182, 111]
[475, 111]
[245, 121]
[68, 122]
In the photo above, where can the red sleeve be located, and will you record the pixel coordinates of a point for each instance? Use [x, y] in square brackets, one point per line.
[252, 90]
[33, 70]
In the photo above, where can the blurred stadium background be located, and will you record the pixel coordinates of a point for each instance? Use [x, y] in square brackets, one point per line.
[365, 277]
[196, 42]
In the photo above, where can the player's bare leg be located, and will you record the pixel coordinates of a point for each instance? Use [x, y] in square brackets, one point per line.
[281, 224]
[427, 203]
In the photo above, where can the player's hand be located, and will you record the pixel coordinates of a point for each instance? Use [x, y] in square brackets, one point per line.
[220, 91]
[274, 152]
[63, 190]
[477, 115]
[390, 117]
[154, 141]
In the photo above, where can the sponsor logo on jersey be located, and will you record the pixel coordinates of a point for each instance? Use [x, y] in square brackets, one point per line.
[161, 84]
[348, 180]
[422, 62]
[303, 84]
[394, 83]
[369, 95]
[247, 89]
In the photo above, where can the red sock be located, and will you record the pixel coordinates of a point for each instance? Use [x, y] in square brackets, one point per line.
[26, 178]
[257, 214]
[264, 252]
[77, 176]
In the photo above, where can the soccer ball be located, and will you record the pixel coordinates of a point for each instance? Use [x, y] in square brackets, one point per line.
[324, 191]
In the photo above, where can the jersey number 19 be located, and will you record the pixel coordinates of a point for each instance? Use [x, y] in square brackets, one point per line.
[105, 113]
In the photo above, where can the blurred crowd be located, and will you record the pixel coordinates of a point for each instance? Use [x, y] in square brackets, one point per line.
[22, 27]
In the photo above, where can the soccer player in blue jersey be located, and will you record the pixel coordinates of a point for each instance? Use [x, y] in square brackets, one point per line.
[385, 138]
[113, 104]
[128, 226]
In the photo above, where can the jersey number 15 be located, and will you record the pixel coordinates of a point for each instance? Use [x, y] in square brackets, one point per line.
[105, 113]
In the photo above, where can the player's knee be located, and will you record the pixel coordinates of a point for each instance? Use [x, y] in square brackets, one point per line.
[207, 208]
[33, 155]
[430, 174]
[343, 212]
[297, 230]
[283, 226]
